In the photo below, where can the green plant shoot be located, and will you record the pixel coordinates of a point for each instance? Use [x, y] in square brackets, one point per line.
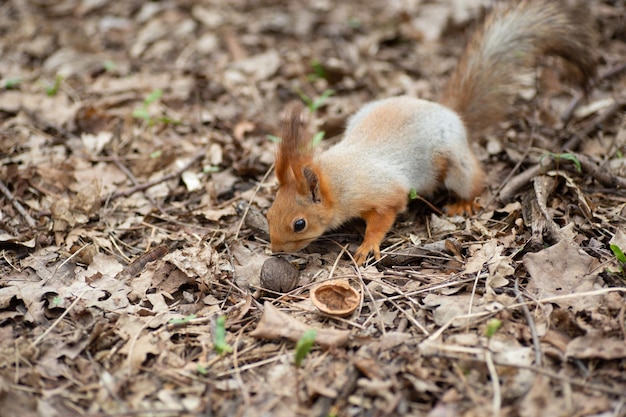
[182, 320]
[620, 256]
[54, 88]
[563, 156]
[317, 138]
[304, 345]
[219, 338]
[493, 326]
[319, 72]
[312, 104]
[11, 83]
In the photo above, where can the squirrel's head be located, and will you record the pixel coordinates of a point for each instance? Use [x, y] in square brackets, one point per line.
[302, 209]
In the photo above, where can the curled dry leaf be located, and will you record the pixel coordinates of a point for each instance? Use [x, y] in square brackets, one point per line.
[275, 324]
[336, 297]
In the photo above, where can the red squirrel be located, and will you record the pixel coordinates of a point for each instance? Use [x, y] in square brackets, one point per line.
[398, 144]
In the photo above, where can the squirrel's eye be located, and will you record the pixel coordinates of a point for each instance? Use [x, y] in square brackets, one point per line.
[299, 225]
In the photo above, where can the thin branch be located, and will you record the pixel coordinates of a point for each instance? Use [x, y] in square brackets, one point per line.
[18, 206]
[149, 184]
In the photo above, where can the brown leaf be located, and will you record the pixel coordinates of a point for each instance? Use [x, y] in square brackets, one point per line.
[563, 269]
[275, 324]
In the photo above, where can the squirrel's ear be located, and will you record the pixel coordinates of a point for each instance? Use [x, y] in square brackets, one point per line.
[313, 184]
[292, 150]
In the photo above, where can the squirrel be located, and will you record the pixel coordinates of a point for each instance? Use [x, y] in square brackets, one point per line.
[396, 145]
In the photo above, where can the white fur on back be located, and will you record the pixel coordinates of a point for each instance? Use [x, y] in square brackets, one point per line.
[378, 140]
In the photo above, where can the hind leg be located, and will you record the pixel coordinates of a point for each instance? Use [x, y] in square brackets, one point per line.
[464, 177]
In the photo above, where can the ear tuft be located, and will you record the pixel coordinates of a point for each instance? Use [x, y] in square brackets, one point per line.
[295, 150]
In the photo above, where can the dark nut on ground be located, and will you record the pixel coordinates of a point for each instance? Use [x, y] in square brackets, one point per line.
[278, 275]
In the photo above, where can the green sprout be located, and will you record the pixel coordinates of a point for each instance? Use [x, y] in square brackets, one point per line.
[11, 83]
[219, 338]
[317, 138]
[202, 370]
[54, 88]
[182, 320]
[304, 345]
[315, 104]
[563, 156]
[319, 72]
[143, 111]
[108, 65]
[413, 194]
[620, 256]
[493, 326]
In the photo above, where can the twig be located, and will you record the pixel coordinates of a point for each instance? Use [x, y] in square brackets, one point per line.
[515, 183]
[471, 300]
[453, 352]
[573, 104]
[149, 184]
[495, 381]
[134, 180]
[61, 317]
[138, 264]
[245, 212]
[518, 181]
[592, 125]
[531, 324]
[20, 209]
[505, 184]
[600, 175]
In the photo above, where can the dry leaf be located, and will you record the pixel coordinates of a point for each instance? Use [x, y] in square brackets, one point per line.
[275, 324]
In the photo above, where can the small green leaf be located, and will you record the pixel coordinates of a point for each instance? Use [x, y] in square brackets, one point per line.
[413, 194]
[354, 22]
[274, 138]
[142, 113]
[152, 97]
[10, 83]
[183, 320]
[573, 158]
[492, 327]
[108, 65]
[156, 154]
[317, 138]
[219, 338]
[210, 169]
[307, 100]
[202, 370]
[304, 345]
[54, 88]
[619, 254]
[321, 100]
[318, 70]
[565, 156]
[169, 121]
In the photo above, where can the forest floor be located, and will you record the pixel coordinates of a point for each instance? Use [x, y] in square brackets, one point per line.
[136, 169]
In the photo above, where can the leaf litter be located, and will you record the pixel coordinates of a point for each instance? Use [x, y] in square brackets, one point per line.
[136, 171]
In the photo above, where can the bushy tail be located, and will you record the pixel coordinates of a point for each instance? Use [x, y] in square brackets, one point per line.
[512, 37]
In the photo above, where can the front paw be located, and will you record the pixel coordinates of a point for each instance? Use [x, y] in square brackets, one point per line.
[360, 256]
